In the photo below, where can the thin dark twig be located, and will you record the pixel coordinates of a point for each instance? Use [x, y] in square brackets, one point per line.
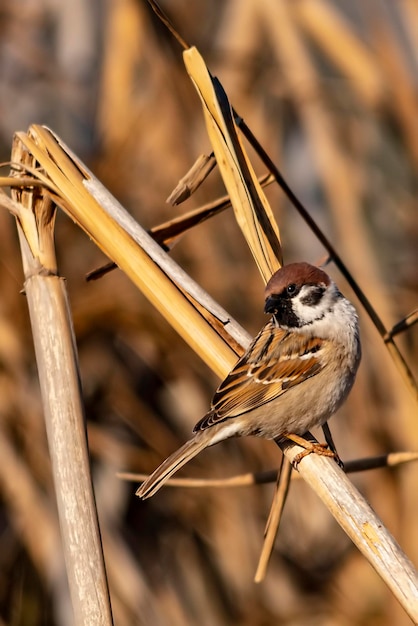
[402, 325]
[168, 23]
[393, 459]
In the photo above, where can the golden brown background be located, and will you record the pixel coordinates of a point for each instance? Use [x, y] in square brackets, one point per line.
[330, 89]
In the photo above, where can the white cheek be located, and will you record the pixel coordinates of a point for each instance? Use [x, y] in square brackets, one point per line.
[333, 317]
[306, 313]
[309, 313]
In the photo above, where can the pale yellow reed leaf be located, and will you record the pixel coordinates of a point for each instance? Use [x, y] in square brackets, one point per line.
[252, 210]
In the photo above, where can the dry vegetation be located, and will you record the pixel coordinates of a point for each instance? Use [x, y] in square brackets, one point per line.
[330, 91]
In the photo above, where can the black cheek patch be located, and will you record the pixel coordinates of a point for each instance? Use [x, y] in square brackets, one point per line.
[313, 296]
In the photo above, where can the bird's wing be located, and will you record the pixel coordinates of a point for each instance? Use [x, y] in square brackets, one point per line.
[276, 360]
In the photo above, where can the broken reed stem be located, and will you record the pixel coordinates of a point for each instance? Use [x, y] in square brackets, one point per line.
[65, 425]
[192, 180]
[58, 373]
[57, 364]
[361, 524]
[165, 233]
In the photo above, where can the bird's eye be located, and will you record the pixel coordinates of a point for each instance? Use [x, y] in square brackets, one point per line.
[291, 289]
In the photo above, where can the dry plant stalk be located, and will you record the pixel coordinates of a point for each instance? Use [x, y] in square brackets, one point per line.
[365, 529]
[196, 175]
[63, 408]
[167, 232]
[279, 499]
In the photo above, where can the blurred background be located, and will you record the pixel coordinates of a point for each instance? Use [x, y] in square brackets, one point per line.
[330, 88]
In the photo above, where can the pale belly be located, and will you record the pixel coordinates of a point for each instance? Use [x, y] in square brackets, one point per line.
[299, 409]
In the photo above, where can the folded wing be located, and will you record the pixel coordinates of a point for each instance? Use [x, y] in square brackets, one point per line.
[276, 361]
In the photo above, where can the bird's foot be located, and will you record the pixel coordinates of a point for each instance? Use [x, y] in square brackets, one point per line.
[311, 447]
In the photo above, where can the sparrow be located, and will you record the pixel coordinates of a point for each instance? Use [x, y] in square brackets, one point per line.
[294, 376]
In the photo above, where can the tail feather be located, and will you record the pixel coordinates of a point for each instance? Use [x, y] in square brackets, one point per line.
[173, 463]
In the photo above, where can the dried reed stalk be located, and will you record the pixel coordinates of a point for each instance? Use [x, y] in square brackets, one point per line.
[279, 499]
[63, 408]
[364, 528]
[165, 233]
[195, 176]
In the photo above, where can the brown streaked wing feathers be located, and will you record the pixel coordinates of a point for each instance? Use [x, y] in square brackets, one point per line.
[271, 366]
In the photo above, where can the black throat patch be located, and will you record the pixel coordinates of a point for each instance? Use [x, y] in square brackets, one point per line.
[284, 314]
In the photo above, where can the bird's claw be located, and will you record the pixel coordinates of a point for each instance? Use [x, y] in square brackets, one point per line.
[316, 448]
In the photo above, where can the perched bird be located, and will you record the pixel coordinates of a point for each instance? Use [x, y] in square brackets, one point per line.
[296, 373]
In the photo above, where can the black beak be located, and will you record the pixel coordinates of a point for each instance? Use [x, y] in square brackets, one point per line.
[271, 305]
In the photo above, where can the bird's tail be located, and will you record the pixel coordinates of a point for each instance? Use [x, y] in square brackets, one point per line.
[173, 463]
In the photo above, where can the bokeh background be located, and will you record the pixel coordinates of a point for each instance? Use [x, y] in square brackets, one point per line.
[331, 91]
